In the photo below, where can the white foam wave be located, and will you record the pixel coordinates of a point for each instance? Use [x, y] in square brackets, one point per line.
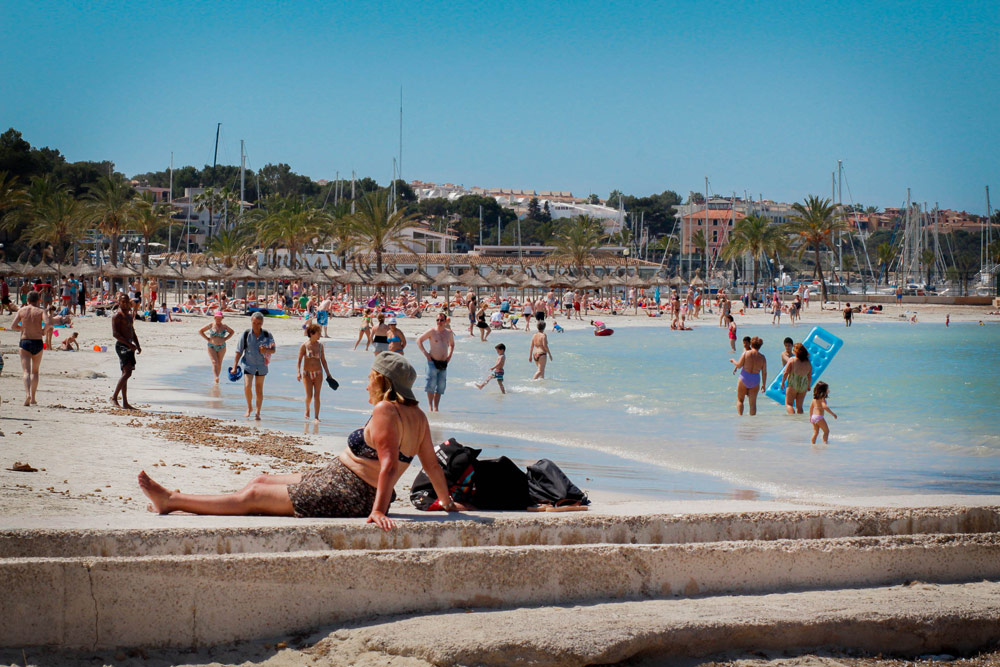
[637, 410]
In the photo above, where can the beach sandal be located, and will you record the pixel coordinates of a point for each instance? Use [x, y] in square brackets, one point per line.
[541, 507]
[333, 383]
[567, 505]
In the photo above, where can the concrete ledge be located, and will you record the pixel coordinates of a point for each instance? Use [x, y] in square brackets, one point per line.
[904, 620]
[205, 600]
[496, 529]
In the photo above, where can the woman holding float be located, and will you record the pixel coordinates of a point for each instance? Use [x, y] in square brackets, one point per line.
[358, 483]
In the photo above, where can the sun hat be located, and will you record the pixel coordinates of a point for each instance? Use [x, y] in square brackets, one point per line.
[391, 320]
[398, 371]
[235, 374]
[218, 313]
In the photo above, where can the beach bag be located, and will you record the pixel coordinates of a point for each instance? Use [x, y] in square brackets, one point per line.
[458, 463]
[500, 485]
[547, 484]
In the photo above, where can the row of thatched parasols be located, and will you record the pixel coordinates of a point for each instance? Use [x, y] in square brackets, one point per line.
[356, 277]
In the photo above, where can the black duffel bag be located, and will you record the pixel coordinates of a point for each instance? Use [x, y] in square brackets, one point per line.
[547, 484]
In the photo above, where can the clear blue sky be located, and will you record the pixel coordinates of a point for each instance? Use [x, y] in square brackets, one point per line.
[587, 96]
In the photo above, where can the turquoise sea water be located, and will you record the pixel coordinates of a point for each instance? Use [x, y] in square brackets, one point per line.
[652, 411]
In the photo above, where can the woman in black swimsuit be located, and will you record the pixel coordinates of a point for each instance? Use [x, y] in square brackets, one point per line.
[358, 483]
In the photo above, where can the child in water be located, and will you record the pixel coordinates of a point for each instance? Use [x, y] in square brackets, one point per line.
[497, 370]
[732, 332]
[816, 410]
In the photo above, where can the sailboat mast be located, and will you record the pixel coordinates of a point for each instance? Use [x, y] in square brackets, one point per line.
[170, 200]
[243, 181]
[400, 173]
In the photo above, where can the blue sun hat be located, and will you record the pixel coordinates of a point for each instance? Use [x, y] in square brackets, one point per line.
[235, 375]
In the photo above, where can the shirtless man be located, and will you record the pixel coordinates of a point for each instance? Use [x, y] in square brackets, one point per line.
[539, 352]
[540, 310]
[126, 346]
[725, 306]
[470, 302]
[29, 321]
[442, 345]
[787, 354]
[675, 309]
[753, 374]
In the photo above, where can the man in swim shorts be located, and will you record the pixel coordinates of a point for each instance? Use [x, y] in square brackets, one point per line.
[442, 346]
[255, 348]
[29, 321]
[126, 346]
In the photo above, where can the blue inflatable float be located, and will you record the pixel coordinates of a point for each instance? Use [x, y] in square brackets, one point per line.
[822, 347]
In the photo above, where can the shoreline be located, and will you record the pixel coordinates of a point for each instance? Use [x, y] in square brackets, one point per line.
[83, 475]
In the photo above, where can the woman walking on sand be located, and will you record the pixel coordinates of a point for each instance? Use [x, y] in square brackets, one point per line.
[310, 367]
[539, 352]
[216, 334]
[798, 379]
[366, 330]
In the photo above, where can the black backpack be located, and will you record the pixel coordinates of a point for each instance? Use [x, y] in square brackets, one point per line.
[548, 484]
[458, 463]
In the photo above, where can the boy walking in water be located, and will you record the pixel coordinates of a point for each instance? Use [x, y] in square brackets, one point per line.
[497, 369]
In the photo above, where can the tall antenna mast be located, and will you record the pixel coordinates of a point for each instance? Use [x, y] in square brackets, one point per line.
[243, 182]
[400, 173]
[215, 158]
[170, 200]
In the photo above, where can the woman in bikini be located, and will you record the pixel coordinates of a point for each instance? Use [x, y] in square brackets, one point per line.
[366, 329]
[396, 338]
[540, 353]
[798, 379]
[310, 367]
[216, 334]
[752, 367]
[358, 483]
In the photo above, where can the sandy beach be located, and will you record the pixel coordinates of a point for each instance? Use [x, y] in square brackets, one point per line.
[88, 452]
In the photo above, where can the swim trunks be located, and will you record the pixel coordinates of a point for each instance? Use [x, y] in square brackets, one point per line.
[126, 355]
[32, 346]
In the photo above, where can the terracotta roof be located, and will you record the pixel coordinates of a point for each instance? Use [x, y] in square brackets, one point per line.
[715, 214]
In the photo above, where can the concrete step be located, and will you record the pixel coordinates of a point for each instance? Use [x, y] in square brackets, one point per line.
[909, 620]
[180, 535]
[201, 600]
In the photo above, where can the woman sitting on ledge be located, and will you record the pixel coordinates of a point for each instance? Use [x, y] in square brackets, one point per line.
[359, 483]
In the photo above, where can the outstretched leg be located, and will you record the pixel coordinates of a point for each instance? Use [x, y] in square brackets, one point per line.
[256, 498]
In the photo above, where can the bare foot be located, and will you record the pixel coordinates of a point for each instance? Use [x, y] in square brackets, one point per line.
[257, 416]
[216, 379]
[114, 400]
[248, 413]
[33, 401]
[126, 406]
[27, 402]
[159, 497]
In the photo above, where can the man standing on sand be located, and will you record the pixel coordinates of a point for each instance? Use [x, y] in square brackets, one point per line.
[442, 345]
[30, 320]
[255, 348]
[126, 346]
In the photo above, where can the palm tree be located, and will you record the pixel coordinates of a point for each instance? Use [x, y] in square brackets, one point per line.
[110, 204]
[12, 195]
[577, 242]
[815, 223]
[210, 200]
[288, 222]
[700, 241]
[374, 227]
[927, 257]
[885, 253]
[148, 218]
[966, 265]
[757, 236]
[230, 246]
[58, 220]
